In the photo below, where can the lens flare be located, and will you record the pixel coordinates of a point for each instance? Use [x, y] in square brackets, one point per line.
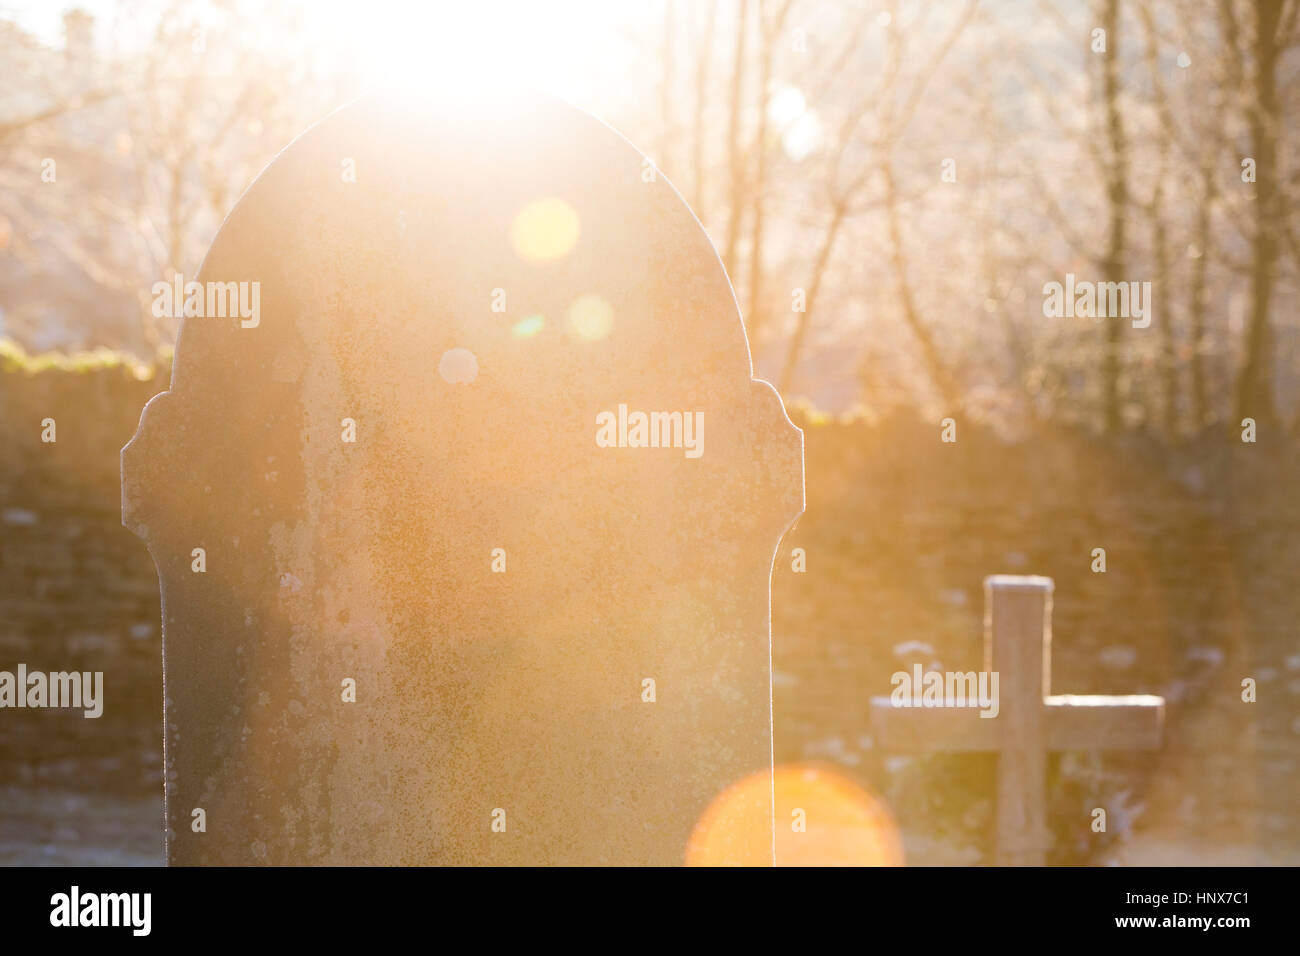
[526, 328]
[822, 819]
[458, 366]
[591, 318]
[545, 230]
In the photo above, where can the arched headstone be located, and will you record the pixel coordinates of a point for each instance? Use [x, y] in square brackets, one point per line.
[465, 520]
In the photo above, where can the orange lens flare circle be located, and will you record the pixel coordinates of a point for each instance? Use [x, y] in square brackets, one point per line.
[822, 819]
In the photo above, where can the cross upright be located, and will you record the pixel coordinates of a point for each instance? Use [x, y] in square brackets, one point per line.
[1031, 721]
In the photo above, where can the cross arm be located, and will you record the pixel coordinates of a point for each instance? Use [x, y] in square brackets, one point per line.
[1073, 722]
[1105, 722]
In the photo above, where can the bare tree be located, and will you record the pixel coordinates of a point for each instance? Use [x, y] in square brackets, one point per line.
[1117, 177]
[1255, 397]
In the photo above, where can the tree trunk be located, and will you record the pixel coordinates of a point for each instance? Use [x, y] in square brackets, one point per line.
[664, 159]
[1168, 354]
[734, 152]
[938, 370]
[819, 269]
[755, 303]
[1255, 384]
[1117, 198]
[702, 61]
[1196, 306]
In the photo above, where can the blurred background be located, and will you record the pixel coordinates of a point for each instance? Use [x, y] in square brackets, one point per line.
[890, 185]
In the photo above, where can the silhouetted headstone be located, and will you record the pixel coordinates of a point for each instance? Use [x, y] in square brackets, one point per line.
[437, 586]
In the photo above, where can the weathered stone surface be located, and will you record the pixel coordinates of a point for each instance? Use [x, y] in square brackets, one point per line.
[372, 560]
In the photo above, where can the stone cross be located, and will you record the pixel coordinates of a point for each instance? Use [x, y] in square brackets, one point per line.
[464, 502]
[1031, 721]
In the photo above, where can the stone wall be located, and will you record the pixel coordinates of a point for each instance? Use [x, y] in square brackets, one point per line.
[77, 590]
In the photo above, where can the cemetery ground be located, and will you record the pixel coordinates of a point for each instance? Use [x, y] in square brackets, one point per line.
[43, 827]
[900, 531]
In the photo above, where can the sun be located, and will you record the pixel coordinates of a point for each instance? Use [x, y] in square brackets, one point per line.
[471, 46]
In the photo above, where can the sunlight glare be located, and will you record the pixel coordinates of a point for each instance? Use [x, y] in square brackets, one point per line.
[470, 46]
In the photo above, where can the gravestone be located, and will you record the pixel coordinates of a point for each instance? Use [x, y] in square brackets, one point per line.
[457, 601]
[1030, 720]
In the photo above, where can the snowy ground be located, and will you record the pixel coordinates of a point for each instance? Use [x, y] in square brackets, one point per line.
[58, 828]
